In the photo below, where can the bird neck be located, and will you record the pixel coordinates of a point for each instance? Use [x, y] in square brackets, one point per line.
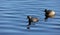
[45, 10]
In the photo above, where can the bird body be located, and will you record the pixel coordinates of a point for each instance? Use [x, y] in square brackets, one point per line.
[30, 20]
[49, 14]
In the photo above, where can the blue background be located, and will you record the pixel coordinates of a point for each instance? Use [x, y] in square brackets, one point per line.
[13, 20]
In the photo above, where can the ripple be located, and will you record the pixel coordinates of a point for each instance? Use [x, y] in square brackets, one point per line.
[11, 33]
[13, 17]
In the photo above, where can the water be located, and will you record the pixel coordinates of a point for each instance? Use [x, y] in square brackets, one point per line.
[13, 19]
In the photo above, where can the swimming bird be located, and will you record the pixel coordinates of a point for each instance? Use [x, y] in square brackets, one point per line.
[30, 20]
[49, 14]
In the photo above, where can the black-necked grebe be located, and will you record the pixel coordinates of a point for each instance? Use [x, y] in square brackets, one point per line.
[30, 20]
[49, 14]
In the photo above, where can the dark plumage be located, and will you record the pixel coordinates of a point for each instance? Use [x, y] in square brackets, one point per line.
[30, 20]
[49, 14]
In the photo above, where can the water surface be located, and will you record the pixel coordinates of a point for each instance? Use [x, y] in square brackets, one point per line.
[13, 19]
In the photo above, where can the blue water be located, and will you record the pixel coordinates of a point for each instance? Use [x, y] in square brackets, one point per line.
[13, 19]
